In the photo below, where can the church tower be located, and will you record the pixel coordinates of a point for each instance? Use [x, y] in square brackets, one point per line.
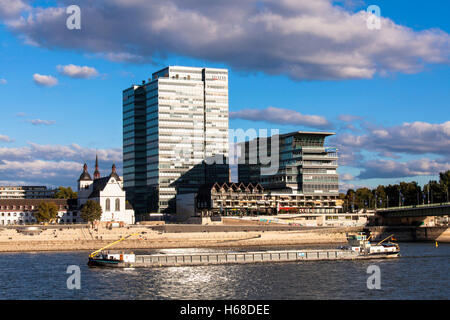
[96, 172]
[85, 184]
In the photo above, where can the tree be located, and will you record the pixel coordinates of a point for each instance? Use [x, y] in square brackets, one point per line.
[91, 211]
[363, 197]
[444, 180]
[46, 212]
[65, 193]
[380, 196]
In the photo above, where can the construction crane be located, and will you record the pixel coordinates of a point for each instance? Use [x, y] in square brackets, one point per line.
[93, 254]
[384, 239]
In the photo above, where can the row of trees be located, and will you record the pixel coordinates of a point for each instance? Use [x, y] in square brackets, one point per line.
[48, 211]
[402, 194]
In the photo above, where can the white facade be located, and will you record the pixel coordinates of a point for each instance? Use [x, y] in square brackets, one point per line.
[20, 211]
[109, 193]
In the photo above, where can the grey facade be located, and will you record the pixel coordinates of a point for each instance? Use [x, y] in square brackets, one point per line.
[306, 165]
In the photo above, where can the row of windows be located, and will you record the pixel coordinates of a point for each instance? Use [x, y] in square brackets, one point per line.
[108, 205]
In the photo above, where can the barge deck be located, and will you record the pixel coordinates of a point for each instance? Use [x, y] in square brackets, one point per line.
[196, 259]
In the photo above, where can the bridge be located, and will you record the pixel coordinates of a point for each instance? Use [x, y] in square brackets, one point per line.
[424, 210]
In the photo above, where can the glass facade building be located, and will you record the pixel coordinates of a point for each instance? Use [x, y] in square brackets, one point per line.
[175, 135]
[305, 165]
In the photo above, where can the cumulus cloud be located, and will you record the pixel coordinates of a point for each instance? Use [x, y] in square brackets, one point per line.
[11, 9]
[53, 164]
[301, 39]
[72, 152]
[43, 80]
[74, 71]
[410, 138]
[281, 116]
[346, 177]
[4, 138]
[3, 81]
[396, 169]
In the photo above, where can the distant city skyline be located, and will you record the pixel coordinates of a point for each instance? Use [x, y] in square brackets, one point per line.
[383, 92]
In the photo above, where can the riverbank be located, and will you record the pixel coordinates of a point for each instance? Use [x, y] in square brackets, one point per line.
[69, 239]
[83, 238]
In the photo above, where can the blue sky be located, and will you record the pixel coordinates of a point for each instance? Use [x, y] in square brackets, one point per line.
[391, 117]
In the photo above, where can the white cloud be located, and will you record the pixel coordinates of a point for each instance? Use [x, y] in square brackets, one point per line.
[43, 80]
[75, 71]
[302, 39]
[4, 138]
[281, 116]
[38, 122]
[72, 152]
[53, 164]
[346, 177]
[410, 138]
[396, 169]
[12, 8]
[3, 81]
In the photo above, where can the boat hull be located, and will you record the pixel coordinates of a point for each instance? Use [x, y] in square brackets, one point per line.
[104, 263]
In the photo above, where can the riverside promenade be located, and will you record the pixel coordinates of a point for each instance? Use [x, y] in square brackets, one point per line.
[68, 238]
[77, 237]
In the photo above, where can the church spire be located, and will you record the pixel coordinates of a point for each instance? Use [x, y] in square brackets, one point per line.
[96, 172]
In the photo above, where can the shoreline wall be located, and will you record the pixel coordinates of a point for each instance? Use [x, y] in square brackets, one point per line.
[87, 239]
[411, 234]
[68, 240]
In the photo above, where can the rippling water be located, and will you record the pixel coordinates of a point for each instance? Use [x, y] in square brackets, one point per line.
[421, 273]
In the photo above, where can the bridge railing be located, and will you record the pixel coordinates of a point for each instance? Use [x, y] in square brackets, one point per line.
[431, 205]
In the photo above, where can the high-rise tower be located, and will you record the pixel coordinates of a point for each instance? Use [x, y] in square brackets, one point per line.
[175, 135]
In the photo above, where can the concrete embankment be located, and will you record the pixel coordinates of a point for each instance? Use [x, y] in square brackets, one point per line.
[67, 239]
[411, 234]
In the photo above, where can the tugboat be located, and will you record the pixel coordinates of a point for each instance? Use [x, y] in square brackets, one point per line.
[100, 258]
[361, 244]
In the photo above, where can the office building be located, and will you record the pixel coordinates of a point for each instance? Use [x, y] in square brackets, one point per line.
[175, 135]
[26, 192]
[303, 166]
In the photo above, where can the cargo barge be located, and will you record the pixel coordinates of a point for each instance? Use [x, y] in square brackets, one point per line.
[359, 247]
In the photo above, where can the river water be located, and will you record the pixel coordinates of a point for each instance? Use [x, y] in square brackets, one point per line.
[422, 272]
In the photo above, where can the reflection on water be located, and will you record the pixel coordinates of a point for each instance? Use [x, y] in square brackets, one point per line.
[421, 273]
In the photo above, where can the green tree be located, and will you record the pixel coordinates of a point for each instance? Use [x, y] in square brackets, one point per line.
[380, 196]
[363, 197]
[46, 212]
[91, 211]
[411, 192]
[444, 180]
[65, 193]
